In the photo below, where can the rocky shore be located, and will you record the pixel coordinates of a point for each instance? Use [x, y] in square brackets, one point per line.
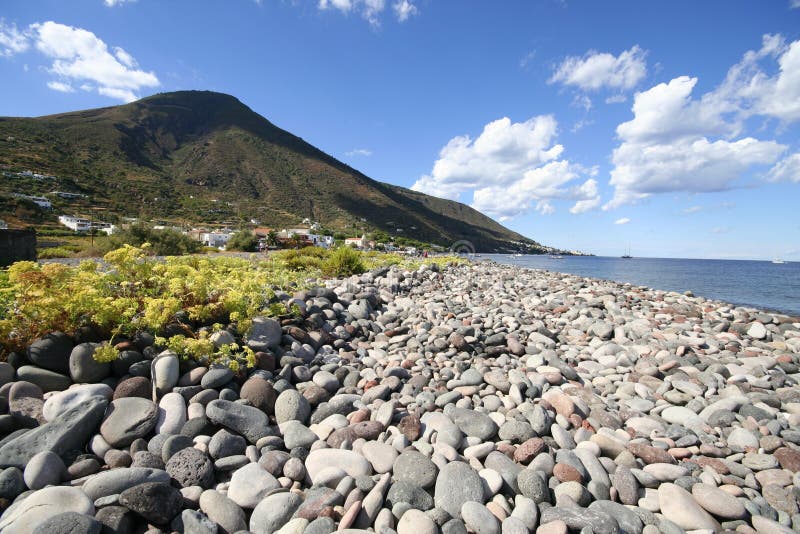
[480, 398]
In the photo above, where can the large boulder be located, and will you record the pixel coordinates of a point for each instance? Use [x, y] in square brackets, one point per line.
[69, 432]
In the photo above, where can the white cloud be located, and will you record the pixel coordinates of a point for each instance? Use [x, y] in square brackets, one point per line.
[60, 87]
[510, 169]
[794, 4]
[623, 220]
[113, 3]
[12, 41]
[616, 99]
[359, 152]
[404, 10]
[370, 10]
[786, 170]
[596, 70]
[679, 143]
[80, 56]
[693, 209]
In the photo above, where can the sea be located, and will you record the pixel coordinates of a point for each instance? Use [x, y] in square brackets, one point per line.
[758, 284]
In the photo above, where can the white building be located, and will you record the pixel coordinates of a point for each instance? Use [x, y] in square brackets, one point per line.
[76, 224]
[42, 202]
[358, 242]
[106, 228]
[215, 239]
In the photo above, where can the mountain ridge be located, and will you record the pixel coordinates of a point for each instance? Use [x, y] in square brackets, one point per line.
[205, 156]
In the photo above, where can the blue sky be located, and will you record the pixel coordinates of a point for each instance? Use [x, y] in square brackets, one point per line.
[669, 127]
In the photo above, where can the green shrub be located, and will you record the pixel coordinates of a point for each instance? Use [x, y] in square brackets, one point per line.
[344, 261]
[55, 252]
[242, 240]
[163, 242]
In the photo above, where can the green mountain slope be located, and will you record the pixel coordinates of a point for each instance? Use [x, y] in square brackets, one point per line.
[199, 156]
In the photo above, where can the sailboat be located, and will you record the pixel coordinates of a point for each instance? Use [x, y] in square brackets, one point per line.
[627, 254]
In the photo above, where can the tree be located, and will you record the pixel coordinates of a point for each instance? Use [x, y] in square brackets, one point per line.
[243, 240]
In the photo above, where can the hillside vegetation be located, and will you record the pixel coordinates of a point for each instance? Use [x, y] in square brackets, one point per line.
[198, 156]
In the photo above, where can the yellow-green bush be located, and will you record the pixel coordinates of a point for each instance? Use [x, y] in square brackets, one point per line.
[132, 292]
[344, 261]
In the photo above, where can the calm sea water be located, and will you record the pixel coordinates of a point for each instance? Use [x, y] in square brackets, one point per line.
[759, 284]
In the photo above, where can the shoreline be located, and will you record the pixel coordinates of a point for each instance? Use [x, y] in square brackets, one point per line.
[701, 293]
[481, 397]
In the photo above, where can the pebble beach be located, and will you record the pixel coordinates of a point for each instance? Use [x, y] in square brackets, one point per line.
[480, 398]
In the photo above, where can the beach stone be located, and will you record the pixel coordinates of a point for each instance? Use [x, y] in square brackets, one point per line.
[250, 484]
[472, 423]
[248, 421]
[157, 502]
[681, 508]
[193, 522]
[165, 372]
[528, 450]
[23, 517]
[533, 486]
[68, 432]
[135, 386]
[69, 523]
[273, 512]
[741, 439]
[225, 443]
[265, 334]
[629, 522]
[172, 445]
[118, 480]
[44, 469]
[223, 511]
[44, 378]
[479, 519]
[408, 492]
[764, 525]
[380, 455]
[292, 406]
[416, 468]
[788, 458]
[456, 484]
[12, 483]
[83, 368]
[759, 462]
[191, 467]
[52, 352]
[416, 522]
[579, 518]
[216, 377]
[553, 527]
[116, 519]
[296, 434]
[626, 485]
[65, 400]
[171, 414]
[351, 462]
[260, 393]
[128, 419]
[718, 502]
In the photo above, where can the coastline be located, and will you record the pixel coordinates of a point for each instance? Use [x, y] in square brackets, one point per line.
[480, 397]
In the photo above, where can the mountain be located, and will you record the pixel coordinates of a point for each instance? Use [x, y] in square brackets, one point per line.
[200, 156]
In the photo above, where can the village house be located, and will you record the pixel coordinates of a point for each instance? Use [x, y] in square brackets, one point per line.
[42, 202]
[215, 239]
[76, 224]
[358, 242]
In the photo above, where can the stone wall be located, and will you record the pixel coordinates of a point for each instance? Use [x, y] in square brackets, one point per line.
[17, 245]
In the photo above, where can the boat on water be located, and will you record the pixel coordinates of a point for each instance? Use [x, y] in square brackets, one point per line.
[627, 254]
[517, 255]
[556, 257]
[778, 261]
